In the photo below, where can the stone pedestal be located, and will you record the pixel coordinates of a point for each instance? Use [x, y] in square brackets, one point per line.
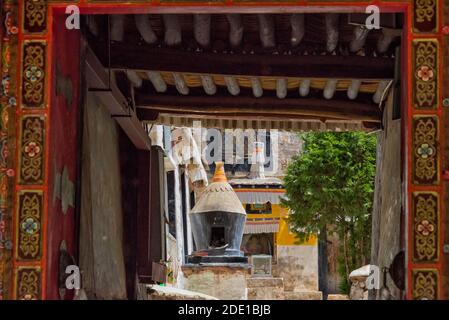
[220, 280]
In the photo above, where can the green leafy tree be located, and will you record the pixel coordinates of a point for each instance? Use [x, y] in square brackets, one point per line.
[329, 189]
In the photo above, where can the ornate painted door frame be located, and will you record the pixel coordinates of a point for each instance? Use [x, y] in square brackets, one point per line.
[26, 71]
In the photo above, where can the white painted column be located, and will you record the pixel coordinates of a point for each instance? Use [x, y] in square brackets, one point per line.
[178, 218]
[166, 216]
[187, 206]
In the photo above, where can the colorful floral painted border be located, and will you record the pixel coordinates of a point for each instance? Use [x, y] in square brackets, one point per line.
[426, 224]
[425, 73]
[31, 176]
[425, 141]
[8, 103]
[425, 284]
[425, 187]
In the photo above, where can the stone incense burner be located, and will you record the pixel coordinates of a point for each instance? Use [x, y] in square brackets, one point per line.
[217, 221]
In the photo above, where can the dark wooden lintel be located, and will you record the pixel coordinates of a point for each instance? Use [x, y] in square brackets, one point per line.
[257, 107]
[147, 57]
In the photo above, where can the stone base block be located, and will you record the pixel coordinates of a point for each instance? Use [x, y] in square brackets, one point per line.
[265, 288]
[303, 295]
[337, 297]
[223, 281]
[155, 292]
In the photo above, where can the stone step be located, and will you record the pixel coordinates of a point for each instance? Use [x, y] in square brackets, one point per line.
[270, 293]
[337, 297]
[265, 288]
[303, 295]
[257, 282]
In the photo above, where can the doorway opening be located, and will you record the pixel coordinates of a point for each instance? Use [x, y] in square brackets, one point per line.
[293, 75]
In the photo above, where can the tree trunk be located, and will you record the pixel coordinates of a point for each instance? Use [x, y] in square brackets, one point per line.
[345, 252]
[322, 263]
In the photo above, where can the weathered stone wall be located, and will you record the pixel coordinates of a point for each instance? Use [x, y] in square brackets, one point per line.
[386, 220]
[223, 282]
[289, 145]
[298, 266]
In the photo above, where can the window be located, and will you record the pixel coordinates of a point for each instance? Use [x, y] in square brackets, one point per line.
[258, 243]
[258, 208]
[171, 203]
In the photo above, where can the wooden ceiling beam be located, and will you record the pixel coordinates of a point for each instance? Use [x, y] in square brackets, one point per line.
[117, 27]
[242, 114]
[152, 115]
[359, 40]
[145, 114]
[379, 95]
[145, 29]
[330, 88]
[235, 29]
[332, 32]
[201, 29]
[266, 30]
[353, 89]
[146, 57]
[173, 33]
[263, 106]
[298, 29]
[387, 37]
[256, 87]
[281, 88]
[157, 81]
[304, 87]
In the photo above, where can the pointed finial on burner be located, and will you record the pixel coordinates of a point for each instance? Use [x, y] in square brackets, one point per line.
[219, 175]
